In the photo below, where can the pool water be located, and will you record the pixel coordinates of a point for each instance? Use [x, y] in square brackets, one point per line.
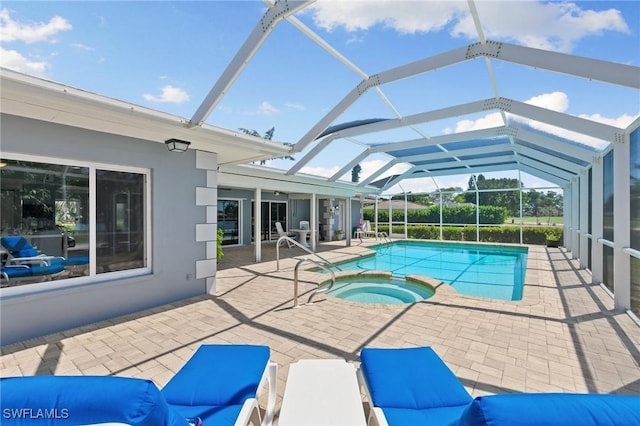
[381, 290]
[495, 272]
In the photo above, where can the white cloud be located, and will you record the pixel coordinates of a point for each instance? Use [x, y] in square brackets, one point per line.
[621, 122]
[490, 120]
[298, 107]
[548, 25]
[11, 30]
[83, 47]
[555, 101]
[15, 61]
[405, 17]
[169, 94]
[320, 171]
[266, 108]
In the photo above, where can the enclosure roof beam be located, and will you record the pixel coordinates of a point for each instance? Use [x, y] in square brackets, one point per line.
[274, 14]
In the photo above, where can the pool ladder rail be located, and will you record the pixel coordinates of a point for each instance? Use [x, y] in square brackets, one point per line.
[291, 242]
[317, 290]
[323, 264]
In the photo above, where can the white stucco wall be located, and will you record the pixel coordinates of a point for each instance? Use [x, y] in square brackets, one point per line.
[38, 309]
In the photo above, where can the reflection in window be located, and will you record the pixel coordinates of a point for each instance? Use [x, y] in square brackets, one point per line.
[635, 285]
[45, 211]
[634, 191]
[634, 195]
[607, 201]
[607, 219]
[229, 220]
[120, 214]
[48, 206]
[607, 267]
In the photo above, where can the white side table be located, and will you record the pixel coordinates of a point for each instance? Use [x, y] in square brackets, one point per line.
[321, 392]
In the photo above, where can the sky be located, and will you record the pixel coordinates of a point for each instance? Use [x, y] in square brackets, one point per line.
[168, 55]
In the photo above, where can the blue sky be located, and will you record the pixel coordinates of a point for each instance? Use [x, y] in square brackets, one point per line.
[167, 56]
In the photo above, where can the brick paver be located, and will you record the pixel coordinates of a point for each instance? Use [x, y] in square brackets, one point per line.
[564, 336]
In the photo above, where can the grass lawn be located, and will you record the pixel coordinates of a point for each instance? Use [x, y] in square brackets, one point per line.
[532, 220]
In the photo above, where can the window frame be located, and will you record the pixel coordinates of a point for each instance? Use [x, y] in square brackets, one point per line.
[93, 276]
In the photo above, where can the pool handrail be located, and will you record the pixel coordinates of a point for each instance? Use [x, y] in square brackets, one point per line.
[290, 241]
[317, 290]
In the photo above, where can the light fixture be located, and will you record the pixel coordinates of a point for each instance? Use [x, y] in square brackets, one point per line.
[177, 145]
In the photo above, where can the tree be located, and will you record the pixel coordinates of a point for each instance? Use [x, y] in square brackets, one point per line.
[268, 135]
[355, 173]
[508, 199]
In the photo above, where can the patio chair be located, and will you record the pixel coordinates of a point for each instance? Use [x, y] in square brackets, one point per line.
[411, 386]
[218, 386]
[282, 233]
[29, 270]
[76, 400]
[368, 232]
[21, 252]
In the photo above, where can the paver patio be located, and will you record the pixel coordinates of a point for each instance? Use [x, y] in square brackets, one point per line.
[564, 336]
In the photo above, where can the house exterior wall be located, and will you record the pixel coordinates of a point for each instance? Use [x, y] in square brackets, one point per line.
[32, 310]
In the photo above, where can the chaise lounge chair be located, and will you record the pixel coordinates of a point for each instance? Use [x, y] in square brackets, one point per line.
[413, 386]
[283, 233]
[368, 232]
[218, 386]
[21, 252]
[32, 270]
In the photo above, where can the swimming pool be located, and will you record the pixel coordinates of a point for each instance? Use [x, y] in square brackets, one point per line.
[495, 272]
[379, 290]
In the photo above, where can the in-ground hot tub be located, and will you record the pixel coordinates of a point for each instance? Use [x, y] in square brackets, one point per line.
[379, 289]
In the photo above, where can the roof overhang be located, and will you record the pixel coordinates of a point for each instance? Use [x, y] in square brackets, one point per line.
[250, 177]
[39, 99]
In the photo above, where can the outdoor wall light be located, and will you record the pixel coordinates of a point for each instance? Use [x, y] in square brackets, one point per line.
[177, 145]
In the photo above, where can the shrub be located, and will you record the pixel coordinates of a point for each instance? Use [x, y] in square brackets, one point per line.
[489, 234]
[493, 215]
[220, 237]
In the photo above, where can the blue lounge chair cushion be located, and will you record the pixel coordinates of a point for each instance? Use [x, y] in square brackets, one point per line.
[76, 261]
[430, 416]
[551, 409]
[73, 400]
[29, 252]
[16, 271]
[216, 381]
[15, 243]
[37, 270]
[411, 378]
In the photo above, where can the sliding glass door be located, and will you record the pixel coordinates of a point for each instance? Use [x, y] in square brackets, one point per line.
[271, 212]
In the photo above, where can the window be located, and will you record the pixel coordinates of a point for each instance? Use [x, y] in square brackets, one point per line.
[634, 190]
[120, 224]
[608, 219]
[634, 195]
[50, 206]
[229, 221]
[607, 201]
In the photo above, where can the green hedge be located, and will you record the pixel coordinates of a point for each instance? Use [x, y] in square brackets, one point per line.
[493, 234]
[456, 214]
